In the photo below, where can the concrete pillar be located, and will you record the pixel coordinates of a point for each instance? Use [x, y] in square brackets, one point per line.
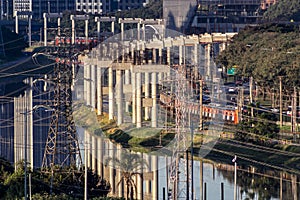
[16, 22]
[93, 87]
[113, 27]
[147, 94]
[99, 91]
[86, 31]
[58, 26]
[154, 58]
[168, 55]
[88, 85]
[119, 93]
[29, 30]
[180, 54]
[138, 31]
[160, 56]
[45, 29]
[127, 82]
[138, 100]
[133, 85]
[144, 32]
[85, 83]
[110, 94]
[122, 31]
[154, 106]
[98, 30]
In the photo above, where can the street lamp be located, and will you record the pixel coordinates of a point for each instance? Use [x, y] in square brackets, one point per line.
[234, 191]
[25, 141]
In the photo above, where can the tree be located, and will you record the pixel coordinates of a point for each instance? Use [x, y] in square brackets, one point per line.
[130, 165]
[264, 53]
[257, 129]
[284, 10]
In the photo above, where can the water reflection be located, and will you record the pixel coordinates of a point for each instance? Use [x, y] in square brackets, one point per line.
[252, 182]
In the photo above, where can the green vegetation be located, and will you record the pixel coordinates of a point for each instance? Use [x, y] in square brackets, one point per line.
[68, 183]
[284, 10]
[265, 53]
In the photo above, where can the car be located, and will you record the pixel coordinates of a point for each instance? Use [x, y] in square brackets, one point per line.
[274, 110]
[232, 90]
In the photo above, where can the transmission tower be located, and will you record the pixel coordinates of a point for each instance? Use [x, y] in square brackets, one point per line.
[62, 147]
[179, 177]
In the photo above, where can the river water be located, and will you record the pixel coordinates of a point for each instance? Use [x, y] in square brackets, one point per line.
[258, 184]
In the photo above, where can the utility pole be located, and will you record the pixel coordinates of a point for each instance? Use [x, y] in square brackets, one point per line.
[251, 95]
[201, 106]
[280, 100]
[294, 114]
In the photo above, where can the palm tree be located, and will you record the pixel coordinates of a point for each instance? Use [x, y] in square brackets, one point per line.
[130, 166]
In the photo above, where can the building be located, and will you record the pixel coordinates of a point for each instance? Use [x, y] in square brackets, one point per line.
[226, 15]
[108, 6]
[178, 13]
[38, 7]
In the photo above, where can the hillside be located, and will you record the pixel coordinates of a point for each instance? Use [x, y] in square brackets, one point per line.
[284, 10]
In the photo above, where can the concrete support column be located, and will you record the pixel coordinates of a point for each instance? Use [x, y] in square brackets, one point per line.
[98, 30]
[180, 54]
[196, 57]
[45, 29]
[110, 94]
[127, 82]
[16, 22]
[133, 85]
[160, 58]
[86, 31]
[99, 91]
[93, 87]
[122, 31]
[155, 177]
[154, 106]
[113, 27]
[147, 94]
[144, 32]
[138, 100]
[85, 83]
[154, 58]
[29, 30]
[119, 93]
[138, 31]
[168, 55]
[88, 87]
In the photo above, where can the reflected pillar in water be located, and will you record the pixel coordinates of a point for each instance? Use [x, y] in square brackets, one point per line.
[94, 152]
[294, 187]
[201, 180]
[100, 150]
[154, 166]
[112, 168]
[118, 171]
[140, 182]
